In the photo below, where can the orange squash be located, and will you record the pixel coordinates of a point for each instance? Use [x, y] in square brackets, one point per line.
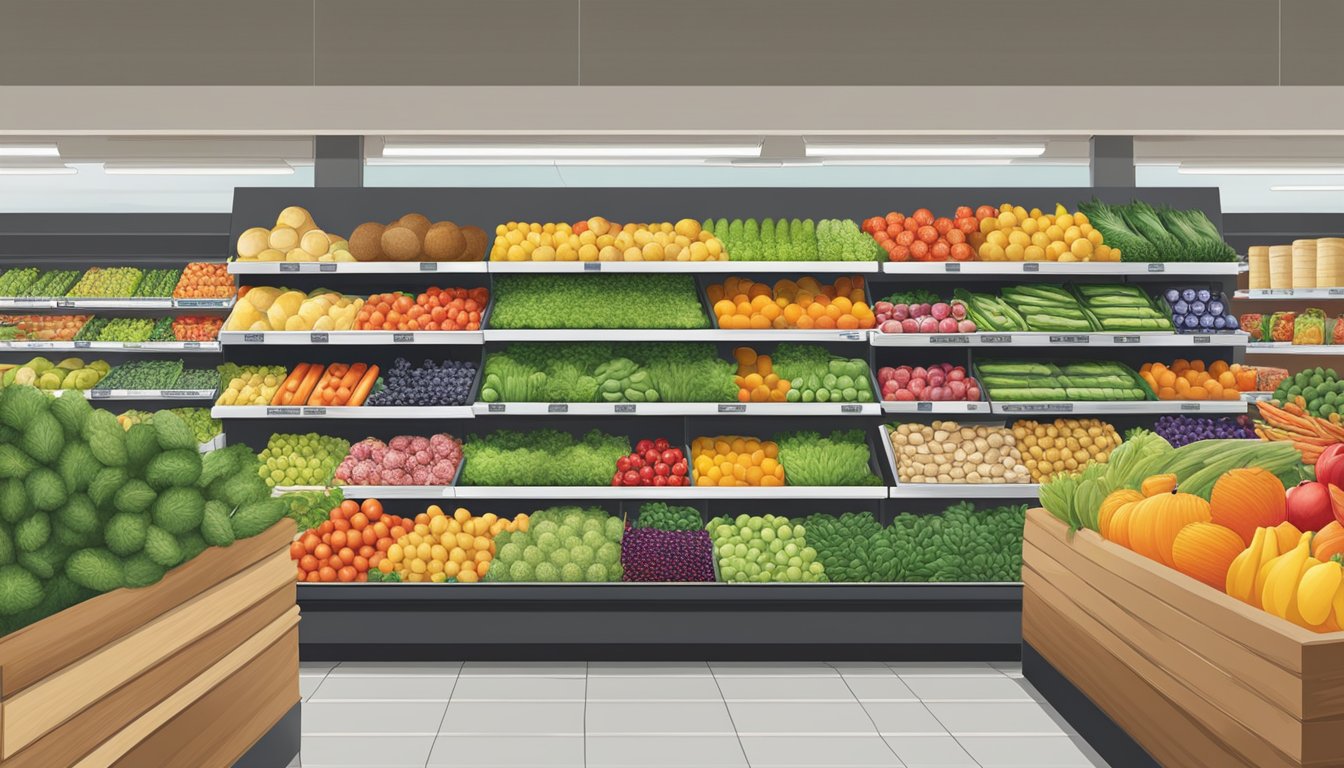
[1246, 499]
[1110, 505]
[1328, 542]
[1204, 551]
[1119, 528]
[1158, 484]
[1155, 521]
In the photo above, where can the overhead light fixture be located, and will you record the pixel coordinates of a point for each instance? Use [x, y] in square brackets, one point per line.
[37, 169]
[1261, 170]
[850, 149]
[29, 150]
[538, 151]
[192, 168]
[1307, 188]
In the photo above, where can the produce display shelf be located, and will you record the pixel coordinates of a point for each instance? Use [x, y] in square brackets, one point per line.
[1119, 407]
[146, 394]
[1268, 294]
[1288, 348]
[391, 412]
[127, 303]
[355, 268]
[375, 491]
[115, 346]
[944, 407]
[689, 267]
[672, 334]
[1071, 269]
[685, 492]
[1024, 339]
[964, 491]
[368, 338]
[679, 409]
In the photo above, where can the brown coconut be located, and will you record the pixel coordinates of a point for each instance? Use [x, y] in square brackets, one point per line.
[400, 244]
[366, 242]
[416, 223]
[444, 242]
[477, 243]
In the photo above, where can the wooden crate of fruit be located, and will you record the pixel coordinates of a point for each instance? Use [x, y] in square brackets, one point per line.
[156, 676]
[1196, 677]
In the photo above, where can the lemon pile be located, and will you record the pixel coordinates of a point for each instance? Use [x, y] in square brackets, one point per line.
[1017, 234]
[600, 240]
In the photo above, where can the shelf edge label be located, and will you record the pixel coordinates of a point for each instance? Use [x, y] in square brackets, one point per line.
[851, 408]
[283, 411]
[1126, 339]
[557, 408]
[429, 266]
[1071, 339]
[319, 411]
[624, 407]
[326, 267]
[403, 338]
[996, 338]
[318, 338]
[254, 338]
[1201, 340]
[1157, 266]
[592, 266]
[959, 338]
[952, 266]
[732, 408]
[922, 407]
[286, 267]
[1189, 406]
[1031, 266]
[191, 345]
[496, 408]
[83, 345]
[1038, 408]
[98, 394]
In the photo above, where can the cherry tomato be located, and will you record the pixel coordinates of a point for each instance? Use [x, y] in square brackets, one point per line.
[881, 236]
[679, 468]
[964, 211]
[327, 573]
[359, 521]
[646, 473]
[660, 480]
[623, 463]
[372, 509]
[349, 507]
[662, 468]
[661, 444]
[651, 456]
[616, 479]
[895, 219]
[631, 477]
[643, 445]
[872, 225]
[670, 457]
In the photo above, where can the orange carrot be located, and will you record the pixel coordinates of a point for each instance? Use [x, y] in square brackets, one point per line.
[352, 377]
[282, 394]
[365, 386]
[309, 382]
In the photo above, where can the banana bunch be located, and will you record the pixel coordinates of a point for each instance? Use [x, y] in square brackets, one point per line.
[622, 380]
[1290, 584]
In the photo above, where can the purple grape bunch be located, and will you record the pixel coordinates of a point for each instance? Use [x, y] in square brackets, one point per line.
[1183, 430]
[446, 383]
[649, 554]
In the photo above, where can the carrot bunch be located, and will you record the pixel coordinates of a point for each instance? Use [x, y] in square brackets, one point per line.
[205, 280]
[332, 385]
[1291, 422]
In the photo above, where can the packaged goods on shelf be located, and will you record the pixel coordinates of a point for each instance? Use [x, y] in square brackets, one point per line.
[1280, 327]
[1253, 324]
[602, 372]
[541, 458]
[70, 373]
[1309, 327]
[1191, 380]
[1268, 378]
[948, 452]
[309, 459]
[205, 280]
[740, 303]
[943, 382]
[1078, 381]
[569, 544]
[746, 550]
[403, 460]
[42, 327]
[600, 240]
[1063, 445]
[597, 301]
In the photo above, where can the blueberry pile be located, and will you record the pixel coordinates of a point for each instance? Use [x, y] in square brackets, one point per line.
[447, 383]
[1183, 430]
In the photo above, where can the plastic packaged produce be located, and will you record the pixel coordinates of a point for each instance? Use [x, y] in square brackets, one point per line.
[600, 240]
[652, 463]
[308, 459]
[441, 548]
[437, 309]
[1309, 327]
[763, 549]
[653, 555]
[1199, 310]
[668, 517]
[429, 384]
[568, 544]
[403, 460]
[948, 452]
[1251, 324]
[327, 553]
[597, 301]
[1191, 380]
[740, 303]
[943, 382]
[250, 384]
[735, 461]
[1281, 326]
[70, 373]
[1268, 379]
[205, 280]
[541, 457]
[1063, 445]
[1183, 430]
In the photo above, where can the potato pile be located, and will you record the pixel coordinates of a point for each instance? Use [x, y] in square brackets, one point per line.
[1064, 444]
[295, 237]
[414, 237]
[947, 452]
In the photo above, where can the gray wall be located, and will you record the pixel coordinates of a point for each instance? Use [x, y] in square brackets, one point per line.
[672, 42]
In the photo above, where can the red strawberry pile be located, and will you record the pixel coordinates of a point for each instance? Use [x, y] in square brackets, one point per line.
[653, 462]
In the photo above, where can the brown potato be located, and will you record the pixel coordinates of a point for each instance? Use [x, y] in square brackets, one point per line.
[400, 244]
[366, 242]
[414, 222]
[477, 242]
[444, 242]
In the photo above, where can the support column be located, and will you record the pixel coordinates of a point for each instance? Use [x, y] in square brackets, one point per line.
[1112, 161]
[338, 161]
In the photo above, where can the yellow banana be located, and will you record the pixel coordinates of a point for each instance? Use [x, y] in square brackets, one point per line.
[1317, 590]
[1269, 552]
[1282, 578]
[1241, 574]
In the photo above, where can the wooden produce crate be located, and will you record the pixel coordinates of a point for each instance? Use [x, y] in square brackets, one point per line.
[1195, 677]
[192, 670]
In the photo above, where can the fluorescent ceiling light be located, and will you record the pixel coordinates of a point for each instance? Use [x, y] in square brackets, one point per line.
[190, 168]
[1308, 188]
[1262, 170]
[551, 151]
[29, 150]
[37, 170]
[828, 149]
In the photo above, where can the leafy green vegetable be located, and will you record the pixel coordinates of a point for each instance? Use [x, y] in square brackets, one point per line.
[842, 458]
[666, 517]
[597, 301]
[542, 457]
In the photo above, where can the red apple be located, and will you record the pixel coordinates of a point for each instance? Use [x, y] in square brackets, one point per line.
[1330, 465]
[1309, 507]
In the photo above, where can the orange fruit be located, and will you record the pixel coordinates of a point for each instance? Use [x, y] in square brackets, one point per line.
[771, 310]
[1197, 365]
[724, 307]
[759, 322]
[1197, 393]
[825, 321]
[843, 304]
[745, 356]
[792, 312]
[759, 302]
[833, 312]
[1166, 393]
[847, 322]
[744, 308]
[714, 293]
[816, 310]
[804, 322]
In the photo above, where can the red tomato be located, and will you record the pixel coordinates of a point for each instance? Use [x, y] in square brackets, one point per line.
[895, 218]
[670, 456]
[643, 445]
[616, 479]
[630, 478]
[679, 468]
[636, 461]
[661, 444]
[322, 551]
[359, 521]
[905, 238]
[874, 224]
[662, 469]
[899, 253]
[962, 252]
[927, 234]
[296, 550]
[942, 224]
[338, 539]
[881, 236]
[911, 224]
[651, 457]
[964, 211]
[940, 251]
[919, 250]
[969, 225]
[348, 573]
[349, 507]
[955, 236]
[660, 480]
[622, 464]
[646, 473]
[678, 480]
[372, 508]
[986, 212]
[924, 216]
[308, 563]
[327, 573]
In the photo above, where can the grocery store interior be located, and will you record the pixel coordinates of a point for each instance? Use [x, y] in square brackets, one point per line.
[451, 383]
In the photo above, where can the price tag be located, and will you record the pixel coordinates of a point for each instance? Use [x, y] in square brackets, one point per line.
[924, 407]
[852, 336]
[270, 411]
[952, 266]
[130, 345]
[191, 345]
[315, 411]
[318, 338]
[996, 338]
[429, 266]
[1126, 339]
[496, 408]
[254, 338]
[557, 408]
[1334, 291]
[592, 266]
[326, 267]
[851, 408]
[28, 299]
[286, 267]
[975, 406]
[182, 393]
[959, 338]
[200, 302]
[1189, 406]
[1157, 266]
[732, 408]
[1038, 408]
[1201, 340]
[99, 394]
[1071, 339]
[83, 345]
[625, 408]
[1031, 266]
[403, 338]
[64, 303]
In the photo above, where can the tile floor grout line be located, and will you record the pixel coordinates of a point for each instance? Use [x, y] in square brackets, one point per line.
[724, 700]
[444, 719]
[868, 714]
[939, 721]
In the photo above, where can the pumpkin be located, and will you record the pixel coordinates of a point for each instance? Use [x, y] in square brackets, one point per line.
[1110, 505]
[1119, 528]
[1204, 551]
[1328, 542]
[1158, 484]
[1287, 534]
[1246, 499]
[1155, 521]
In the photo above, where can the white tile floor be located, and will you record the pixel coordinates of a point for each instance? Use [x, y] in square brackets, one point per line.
[682, 715]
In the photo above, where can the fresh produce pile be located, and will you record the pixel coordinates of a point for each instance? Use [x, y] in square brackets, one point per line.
[42, 327]
[311, 508]
[414, 237]
[1047, 308]
[403, 460]
[667, 517]
[1199, 310]
[792, 240]
[103, 282]
[133, 329]
[157, 283]
[922, 311]
[249, 384]
[13, 282]
[437, 309]
[337, 384]
[541, 457]
[205, 280]
[1120, 308]
[144, 374]
[568, 544]
[740, 303]
[1321, 390]
[653, 555]
[1024, 381]
[652, 463]
[939, 383]
[675, 372]
[1145, 234]
[763, 549]
[308, 459]
[70, 373]
[202, 425]
[50, 284]
[1183, 430]
[1190, 380]
[429, 384]
[735, 461]
[88, 507]
[842, 458]
[197, 328]
[600, 240]
[815, 375]
[757, 381]
[277, 309]
[597, 301]
[1291, 423]
[1064, 445]
[1016, 234]
[295, 237]
[352, 540]
[948, 452]
[851, 547]
[197, 379]
[441, 548]
[921, 237]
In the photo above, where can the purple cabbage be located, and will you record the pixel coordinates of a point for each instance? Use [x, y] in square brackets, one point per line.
[649, 554]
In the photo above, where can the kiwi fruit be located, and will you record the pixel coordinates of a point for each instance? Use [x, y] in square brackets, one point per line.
[366, 242]
[414, 222]
[444, 242]
[477, 242]
[400, 244]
